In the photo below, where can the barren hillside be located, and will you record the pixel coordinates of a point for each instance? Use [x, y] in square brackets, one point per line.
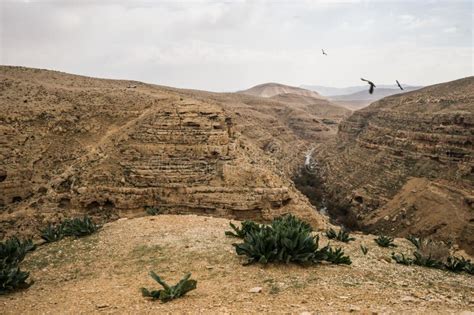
[272, 89]
[103, 273]
[404, 165]
[73, 144]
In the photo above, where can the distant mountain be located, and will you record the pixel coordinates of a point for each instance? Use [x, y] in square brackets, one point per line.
[272, 89]
[366, 96]
[334, 91]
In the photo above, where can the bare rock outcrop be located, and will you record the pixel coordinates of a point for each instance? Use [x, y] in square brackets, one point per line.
[414, 144]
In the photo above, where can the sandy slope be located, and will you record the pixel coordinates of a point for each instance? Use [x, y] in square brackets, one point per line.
[103, 273]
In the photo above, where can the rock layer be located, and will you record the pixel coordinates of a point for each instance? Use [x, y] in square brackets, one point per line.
[385, 151]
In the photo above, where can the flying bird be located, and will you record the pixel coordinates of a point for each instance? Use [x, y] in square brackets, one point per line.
[372, 85]
[324, 53]
[399, 85]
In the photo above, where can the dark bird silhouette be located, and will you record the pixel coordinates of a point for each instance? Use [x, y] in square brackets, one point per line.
[372, 85]
[399, 85]
[324, 53]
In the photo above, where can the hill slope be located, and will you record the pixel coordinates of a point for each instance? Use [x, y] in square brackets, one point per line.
[103, 273]
[73, 144]
[404, 165]
[272, 89]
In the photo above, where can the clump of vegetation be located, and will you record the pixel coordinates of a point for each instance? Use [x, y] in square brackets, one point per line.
[246, 228]
[152, 210]
[52, 233]
[401, 259]
[385, 241]
[287, 239]
[457, 264]
[364, 249]
[341, 236]
[77, 227]
[414, 240]
[169, 293]
[12, 253]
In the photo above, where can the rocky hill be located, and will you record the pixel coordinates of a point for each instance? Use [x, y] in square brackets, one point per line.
[272, 89]
[73, 144]
[103, 273]
[404, 165]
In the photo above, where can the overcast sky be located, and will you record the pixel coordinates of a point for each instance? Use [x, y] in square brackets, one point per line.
[232, 45]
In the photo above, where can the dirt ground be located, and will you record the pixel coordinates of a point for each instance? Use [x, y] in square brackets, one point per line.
[103, 273]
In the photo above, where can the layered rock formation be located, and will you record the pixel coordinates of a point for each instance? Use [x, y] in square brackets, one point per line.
[404, 165]
[272, 89]
[73, 144]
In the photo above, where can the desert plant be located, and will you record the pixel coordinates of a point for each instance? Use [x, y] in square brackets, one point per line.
[14, 250]
[152, 210]
[415, 240]
[11, 277]
[364, 249]
[469, 268]
[52, 233]
[337, 256]
[426, 261]
[401, 259]
[245, 228]
[456, 264]
[385, 241]
[169, 293]
[341, 236]
[286, 240]
[79, 227]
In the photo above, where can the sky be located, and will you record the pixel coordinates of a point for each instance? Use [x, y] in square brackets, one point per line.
[233, 45]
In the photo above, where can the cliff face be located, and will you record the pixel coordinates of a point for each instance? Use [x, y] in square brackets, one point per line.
[73, 144]
[405, 163]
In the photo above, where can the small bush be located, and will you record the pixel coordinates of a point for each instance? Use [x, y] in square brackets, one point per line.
[287, 239]
[456, 264]
[152, 210]
[79, 227]
[12, 253]
[415, 241]
[52, 233]
[385, 241]
[341, 236]
[247, 227]
[169, 293]
[364, 249]
[426, 261]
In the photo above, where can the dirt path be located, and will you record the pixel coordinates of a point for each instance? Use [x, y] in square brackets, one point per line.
[102, 273]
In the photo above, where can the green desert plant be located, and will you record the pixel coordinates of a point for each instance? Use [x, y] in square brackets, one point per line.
[169, 293]
[401, 259]
[152, 210]
[241, 232]
[469, 268]
[426, 261]
[14, 250]
[79, 227]
[364, 249]
[337, 256]
[456, 264]
[11, 277]
[342, 236]
[286, 240]
[415, 240]
[385, 241]
[52, 233]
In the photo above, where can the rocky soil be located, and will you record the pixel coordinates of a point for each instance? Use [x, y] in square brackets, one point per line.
[102, 273]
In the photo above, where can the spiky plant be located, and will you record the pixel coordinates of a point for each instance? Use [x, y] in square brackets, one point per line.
[245, 228]
[385, 241]
[401, 259]
[336, 256]
[415, 241]
[152, 210]
[469, 268]
[14, 250]
[426, 261]
[286, 240]
[52, 233]
[342, 236]
[456, 264]
[169, 293]
[364, 249]
[79, 227]
[11, 277]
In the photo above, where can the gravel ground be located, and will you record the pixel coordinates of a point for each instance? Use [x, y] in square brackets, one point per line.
[102, 273]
